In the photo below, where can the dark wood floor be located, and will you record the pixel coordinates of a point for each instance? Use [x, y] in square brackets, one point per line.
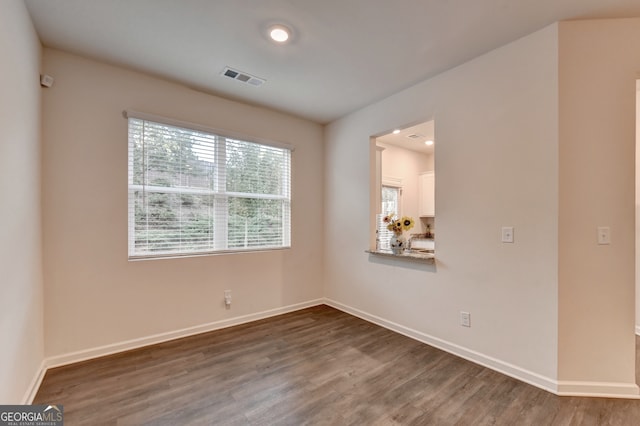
[317, 366]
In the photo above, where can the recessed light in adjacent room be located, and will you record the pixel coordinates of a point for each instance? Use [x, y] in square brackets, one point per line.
[428, 142]
[396, 131]
[279, 33]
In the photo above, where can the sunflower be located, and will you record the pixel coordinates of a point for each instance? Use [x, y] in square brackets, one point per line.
[397, 225]
[407, 223]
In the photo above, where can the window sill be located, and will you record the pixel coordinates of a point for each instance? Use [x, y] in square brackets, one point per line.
[408, 255]
[160, 256]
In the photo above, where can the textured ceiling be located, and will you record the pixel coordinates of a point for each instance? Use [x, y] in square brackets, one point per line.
[344, 54]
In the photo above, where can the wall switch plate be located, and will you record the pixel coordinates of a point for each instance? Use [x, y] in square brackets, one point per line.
[604, 235]
[507, 234]
[465, 319]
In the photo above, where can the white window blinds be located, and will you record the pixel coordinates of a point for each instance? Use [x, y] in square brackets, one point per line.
[390, 205]
[192, 192]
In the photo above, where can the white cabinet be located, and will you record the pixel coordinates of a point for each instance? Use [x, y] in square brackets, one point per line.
[426, 194]
[424, 244]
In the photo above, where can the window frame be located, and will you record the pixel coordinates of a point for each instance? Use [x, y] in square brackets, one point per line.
[222, 227]
[384, 235]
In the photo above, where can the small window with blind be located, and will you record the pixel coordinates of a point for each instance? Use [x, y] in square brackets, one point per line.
[390, 205]
[193, 191]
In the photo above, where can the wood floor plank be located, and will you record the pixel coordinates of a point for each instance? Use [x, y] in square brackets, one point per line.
[318, 366]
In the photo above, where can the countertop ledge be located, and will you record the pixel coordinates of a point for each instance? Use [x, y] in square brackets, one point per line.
[412, 256]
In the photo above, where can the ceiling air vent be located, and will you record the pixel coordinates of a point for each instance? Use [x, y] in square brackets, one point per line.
[242, 76]
[415, 136]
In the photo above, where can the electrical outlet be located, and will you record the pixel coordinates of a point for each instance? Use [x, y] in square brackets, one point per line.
[465, 319]
[604, 235]
[507, 234]
[227, 298]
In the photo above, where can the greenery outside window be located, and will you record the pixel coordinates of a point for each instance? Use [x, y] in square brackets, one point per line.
[195, 192]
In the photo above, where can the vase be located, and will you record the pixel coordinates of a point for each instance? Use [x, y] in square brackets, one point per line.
[397, 243]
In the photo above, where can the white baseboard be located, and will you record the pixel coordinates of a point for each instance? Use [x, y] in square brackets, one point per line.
[113, 348]
[599, 389]
[562, 388]
[35, 384]
[510, 370]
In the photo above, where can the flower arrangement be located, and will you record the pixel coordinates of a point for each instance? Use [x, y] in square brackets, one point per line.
[397, 225]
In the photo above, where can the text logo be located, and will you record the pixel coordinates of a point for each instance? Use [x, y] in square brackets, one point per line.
[31, 415]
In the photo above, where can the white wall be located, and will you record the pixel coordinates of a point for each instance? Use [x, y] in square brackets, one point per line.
[599, 66]
[552, 308]
[497, 164]
[406, 165]
[94, 296]
[21, 328]
[539, 135]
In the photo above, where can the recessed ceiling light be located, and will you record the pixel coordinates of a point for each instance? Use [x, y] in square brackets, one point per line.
[428, 142]
[279, 33]
[396, 131]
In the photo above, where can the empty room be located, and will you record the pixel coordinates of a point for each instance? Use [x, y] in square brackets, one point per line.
[320, 212]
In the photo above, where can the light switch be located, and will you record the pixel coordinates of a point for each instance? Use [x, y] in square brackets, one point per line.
[465, 319]
[604, 235]
[507, 234]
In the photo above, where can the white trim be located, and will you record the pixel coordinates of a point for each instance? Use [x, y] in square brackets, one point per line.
[395, 182]
[561, 388]
[202, 191]
[510, 370]
[199, 127]
[34, 386]
[599, 389]
[638, 330]
[113, 348]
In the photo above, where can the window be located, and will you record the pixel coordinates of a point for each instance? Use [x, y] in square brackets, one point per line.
[194, 192]
[390, 205]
